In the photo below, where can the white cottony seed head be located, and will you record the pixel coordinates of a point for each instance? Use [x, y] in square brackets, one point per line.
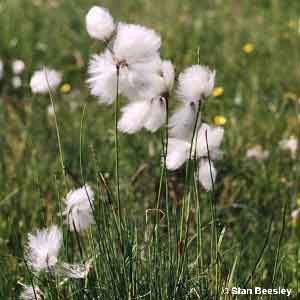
[135, 44]
[16, 82]
[207, 174]
[195, 83]
[40, 80]
[78, 212]
[43, 248]
[99, 23]
[18, 66]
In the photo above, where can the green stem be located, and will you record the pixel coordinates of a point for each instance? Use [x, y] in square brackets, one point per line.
[117, 149]
[57, 132]
[214, 215]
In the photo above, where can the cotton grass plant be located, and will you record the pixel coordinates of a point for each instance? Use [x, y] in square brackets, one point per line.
[98, 251]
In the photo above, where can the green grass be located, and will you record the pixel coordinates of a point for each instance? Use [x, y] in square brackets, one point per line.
[250, 197]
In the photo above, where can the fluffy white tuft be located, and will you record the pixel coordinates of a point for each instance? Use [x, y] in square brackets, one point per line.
[295, 215]
[182, 122]
[178, 153]
[207, 174]
[29, 293]
[136, 44]
[39, 84]
[214, 139]
[290, 144]
[103, 77]
[134, 116]
[18, 66]
[157, 115]
[99, 23]
[195, 83]
[16, 82]
[43, 248]
[168, 72]
[257, 152]
[78, 211]
[140, 85]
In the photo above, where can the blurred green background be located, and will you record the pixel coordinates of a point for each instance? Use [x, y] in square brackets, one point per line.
[254, 47]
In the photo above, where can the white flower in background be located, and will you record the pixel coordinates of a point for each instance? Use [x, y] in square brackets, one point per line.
[29, 293]
[295, 216]
[40, 79]
[135, 52]
[151, 112]
[78, 212]
[16, 82]
[195, 83]
[18, 66]
[1, 69]
[43, 248]
[99, 23]
[290, 144]
[257, 152]
[50, 111]
[207, 174]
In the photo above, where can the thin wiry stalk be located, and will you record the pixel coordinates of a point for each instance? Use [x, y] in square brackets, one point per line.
[213, 212]
[103, 244]
[166, 180]
[30, 277]
[183, 241]
[188, 167]
[260, 255]
[80, 144]
[279, 243]
[117, 148]
[199, 230]
[57, 132]
[109, 194]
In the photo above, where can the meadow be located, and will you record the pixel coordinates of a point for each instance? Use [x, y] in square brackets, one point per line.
[175, 241]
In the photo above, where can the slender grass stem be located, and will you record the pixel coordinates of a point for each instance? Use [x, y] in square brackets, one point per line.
[117, 149]
[186, 185]
[185, 212]
[213, 213]
[61, 156]
[279, 244]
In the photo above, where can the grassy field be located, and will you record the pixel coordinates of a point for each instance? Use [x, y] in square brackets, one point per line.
[251, 239]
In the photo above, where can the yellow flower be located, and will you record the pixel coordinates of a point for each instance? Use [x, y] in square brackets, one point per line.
[248, 48]
[65, 88]
[219, 120]
[218, 91]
